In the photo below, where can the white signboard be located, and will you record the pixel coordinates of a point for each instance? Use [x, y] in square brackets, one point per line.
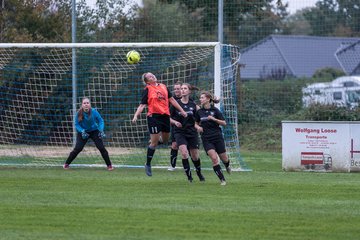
[321, 146]
[354, 148]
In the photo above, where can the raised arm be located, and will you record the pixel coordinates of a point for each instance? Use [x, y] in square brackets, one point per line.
[138, 111]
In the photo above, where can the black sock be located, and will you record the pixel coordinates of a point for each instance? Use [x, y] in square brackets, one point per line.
[173, 157]
[186, 166]
[226, 164]
[150, 154]
[218, 172]
[197, 164]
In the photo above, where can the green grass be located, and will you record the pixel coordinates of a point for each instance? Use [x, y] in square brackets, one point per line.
[267, 203]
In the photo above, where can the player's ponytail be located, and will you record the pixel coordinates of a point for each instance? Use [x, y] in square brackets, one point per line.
[194, 88]
[191, 87]
[80, 114]
[213, 99]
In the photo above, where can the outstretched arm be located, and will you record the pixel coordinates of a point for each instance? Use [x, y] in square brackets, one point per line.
[138, 111]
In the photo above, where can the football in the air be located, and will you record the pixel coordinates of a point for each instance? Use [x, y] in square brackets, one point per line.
[133, 57]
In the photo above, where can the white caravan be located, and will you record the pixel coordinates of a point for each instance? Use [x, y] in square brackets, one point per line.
[343, 92]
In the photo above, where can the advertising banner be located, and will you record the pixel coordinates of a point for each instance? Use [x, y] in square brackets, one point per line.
[321, 146]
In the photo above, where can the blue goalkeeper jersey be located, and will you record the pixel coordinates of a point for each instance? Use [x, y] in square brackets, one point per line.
[92, 123]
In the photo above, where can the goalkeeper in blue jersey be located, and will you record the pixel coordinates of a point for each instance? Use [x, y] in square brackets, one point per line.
[89, 124]
[208, 120]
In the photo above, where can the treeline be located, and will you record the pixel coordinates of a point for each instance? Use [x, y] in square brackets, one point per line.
[245, 22]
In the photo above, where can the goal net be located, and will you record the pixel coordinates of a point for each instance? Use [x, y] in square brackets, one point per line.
[42, 88]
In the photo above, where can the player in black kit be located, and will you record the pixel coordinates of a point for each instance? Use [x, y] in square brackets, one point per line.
[174, 147]
[186, 134]
[208, 120]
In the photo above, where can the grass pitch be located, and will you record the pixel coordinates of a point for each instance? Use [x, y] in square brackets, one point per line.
[51, 203]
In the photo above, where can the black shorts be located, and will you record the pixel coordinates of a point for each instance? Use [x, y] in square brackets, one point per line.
[217, 144]
[158, 123]
[191, 141]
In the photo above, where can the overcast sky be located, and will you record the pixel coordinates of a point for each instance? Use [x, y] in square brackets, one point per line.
[294, 5]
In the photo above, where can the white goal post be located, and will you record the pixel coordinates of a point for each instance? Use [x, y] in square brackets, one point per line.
[39, 91]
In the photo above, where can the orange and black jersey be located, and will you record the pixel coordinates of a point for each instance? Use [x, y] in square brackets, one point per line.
[211, 129]
[188, 123]
[157, 98]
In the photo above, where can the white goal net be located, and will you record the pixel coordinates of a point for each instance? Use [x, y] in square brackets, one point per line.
[40, 85]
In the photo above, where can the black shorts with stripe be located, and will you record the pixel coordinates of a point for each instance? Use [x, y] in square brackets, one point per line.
[158, 123]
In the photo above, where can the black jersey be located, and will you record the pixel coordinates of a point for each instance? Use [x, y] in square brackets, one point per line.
[188, 123]
[176, 98]
[211, 129]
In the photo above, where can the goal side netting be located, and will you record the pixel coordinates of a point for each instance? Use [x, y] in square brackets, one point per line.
[42, 87]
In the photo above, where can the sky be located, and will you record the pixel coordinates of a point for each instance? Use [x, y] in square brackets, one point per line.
[294, 5]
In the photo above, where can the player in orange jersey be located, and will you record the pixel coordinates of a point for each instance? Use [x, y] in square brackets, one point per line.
[157, 97]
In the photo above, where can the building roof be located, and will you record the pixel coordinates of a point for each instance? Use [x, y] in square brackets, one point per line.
[349, 58]
[300, 56]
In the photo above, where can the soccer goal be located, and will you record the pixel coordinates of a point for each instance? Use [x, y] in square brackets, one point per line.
[41, 87]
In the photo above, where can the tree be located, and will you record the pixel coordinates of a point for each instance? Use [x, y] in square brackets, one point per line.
[159, 21]
[323, 18]
[334, 18]
[245, 22]
[109, 21]
[35, 21]
[297, 24]
[257, 19]
[350, 15]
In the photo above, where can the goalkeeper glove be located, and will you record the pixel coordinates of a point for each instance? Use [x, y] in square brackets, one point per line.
[84, 135]
[101, 134]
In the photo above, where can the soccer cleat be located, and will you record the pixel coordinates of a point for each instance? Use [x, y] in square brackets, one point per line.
[171, 169]
[189, 176]
[110, 168]
[190, 179]
[148, 170]
[201, 177]
[228, 170]
[66, 166]
[223, 183]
